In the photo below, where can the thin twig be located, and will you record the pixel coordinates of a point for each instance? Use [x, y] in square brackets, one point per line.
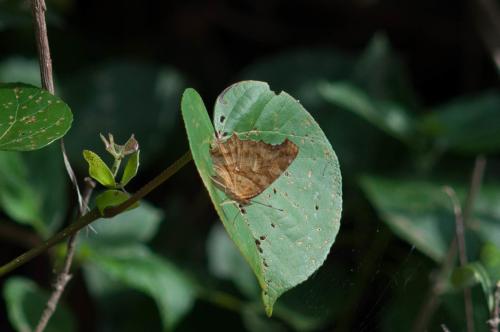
[474, 185]
[64, 276]
[462, 253]
[94, 214]
[437, 288]
[431, 301]
[39, 8]
[494, 320]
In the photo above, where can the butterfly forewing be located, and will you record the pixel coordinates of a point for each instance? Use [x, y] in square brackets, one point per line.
[245, 168]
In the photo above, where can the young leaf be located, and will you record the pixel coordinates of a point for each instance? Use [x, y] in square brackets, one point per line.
[111, 198]
[30, 118]
[131, 168]
[98, 170]
[287, 241]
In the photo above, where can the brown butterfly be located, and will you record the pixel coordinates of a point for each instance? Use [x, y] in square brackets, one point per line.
[245, 168]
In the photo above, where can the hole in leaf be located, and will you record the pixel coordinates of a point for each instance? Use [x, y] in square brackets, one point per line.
[262, 237]
[274, 190]
[222, 118]
[316, 207]
[257, 242]
[273, 225]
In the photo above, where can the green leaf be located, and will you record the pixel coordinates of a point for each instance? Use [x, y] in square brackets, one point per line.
[30, 117]
[467, 124]
[25, 303]
[138, 268]
[48, 178]
[111, 198]
[417, 211]
[420, 212]
[17, 197]
[284, 244]
[386, 115]
[98, 169]
[32, 188]
[490, 258]
[472, 274]
[464, 276]
[131, 168]
[138, 225]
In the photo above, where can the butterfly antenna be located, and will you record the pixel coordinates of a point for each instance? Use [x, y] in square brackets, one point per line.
[267, 205]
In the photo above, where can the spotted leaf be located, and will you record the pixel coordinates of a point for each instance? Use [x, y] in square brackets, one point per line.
[286, 231]
[30, 117]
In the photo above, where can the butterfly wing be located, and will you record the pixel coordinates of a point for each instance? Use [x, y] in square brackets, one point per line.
[244, 169]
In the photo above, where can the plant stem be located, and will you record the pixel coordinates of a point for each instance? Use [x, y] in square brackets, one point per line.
[462, 253]
[38, 9]
[95, 214]
[116, 166]
[431, 301]
[64, 276]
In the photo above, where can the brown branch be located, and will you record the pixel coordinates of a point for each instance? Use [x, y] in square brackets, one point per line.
[431, 303]
[462, 252]
[437, 288]
[94, 214]
[64, 276]
[38, 9]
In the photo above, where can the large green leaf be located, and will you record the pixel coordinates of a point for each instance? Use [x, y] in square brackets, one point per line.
[390, 117]
[417, 211]
[422, 214]
[30, 117]
[25, 303]
[285, 243]
[136, 267]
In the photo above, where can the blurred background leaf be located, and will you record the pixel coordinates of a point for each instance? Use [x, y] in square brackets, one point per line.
[123, 98]
[25, 303]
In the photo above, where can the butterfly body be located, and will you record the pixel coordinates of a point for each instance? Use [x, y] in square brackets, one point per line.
[245, 168]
